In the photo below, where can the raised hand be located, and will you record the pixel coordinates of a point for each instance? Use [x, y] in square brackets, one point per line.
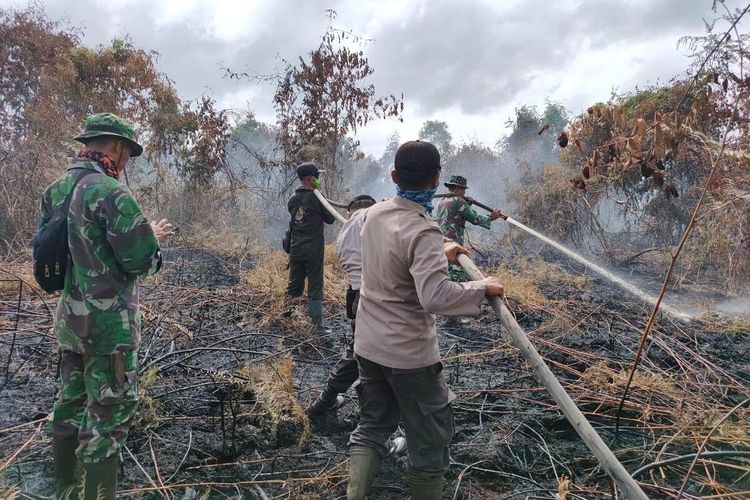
[162, 229]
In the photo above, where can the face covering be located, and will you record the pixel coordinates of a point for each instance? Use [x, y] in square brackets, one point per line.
[423, 197]
[105, 161]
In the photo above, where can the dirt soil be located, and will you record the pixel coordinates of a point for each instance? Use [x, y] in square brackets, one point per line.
[202, 431]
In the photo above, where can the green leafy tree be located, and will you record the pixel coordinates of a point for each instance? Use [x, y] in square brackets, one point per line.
[437, 133]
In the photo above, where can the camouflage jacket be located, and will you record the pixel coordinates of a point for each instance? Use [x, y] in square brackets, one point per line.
[111, 244]
[453, 213]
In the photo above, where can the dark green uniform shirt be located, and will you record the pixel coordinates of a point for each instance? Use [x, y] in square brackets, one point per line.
[308, 216]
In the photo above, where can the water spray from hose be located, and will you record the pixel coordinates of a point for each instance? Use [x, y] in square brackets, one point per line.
[628, 287]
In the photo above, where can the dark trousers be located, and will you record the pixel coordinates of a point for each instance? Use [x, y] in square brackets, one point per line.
[346, 371]
[420, 398]
[310, 267]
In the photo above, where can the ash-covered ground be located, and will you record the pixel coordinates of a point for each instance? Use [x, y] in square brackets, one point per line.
[207, 426]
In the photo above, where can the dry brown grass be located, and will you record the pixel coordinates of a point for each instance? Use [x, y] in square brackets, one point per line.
[563, 488]
[268, 281]
[9, 492]
[11, 273]
[149, 409]
[523, 276]
[608, 380]
[732, 326]
[272, 385]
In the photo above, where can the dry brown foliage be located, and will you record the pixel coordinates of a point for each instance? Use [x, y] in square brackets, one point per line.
[51, 82]
[271, 384]
[268, 281]
[325, 97]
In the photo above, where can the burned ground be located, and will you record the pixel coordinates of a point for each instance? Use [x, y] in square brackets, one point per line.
[225, 375]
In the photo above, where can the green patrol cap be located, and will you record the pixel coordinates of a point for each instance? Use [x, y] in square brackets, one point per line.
[456, 181]
[108, 124]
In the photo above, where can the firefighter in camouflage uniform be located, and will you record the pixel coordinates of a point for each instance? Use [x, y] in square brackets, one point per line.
[454, 212]
[97, 324]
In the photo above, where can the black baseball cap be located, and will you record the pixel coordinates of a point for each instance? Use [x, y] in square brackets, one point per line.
[417, 156]
[415, 162]
[305, 169]
[363, 197]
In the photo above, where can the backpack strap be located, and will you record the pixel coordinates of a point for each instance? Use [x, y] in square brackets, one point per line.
[65, 207]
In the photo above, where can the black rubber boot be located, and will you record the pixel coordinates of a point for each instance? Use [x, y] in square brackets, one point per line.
[100, 479]
[425, 486]
[66, 467]
[327, 401]
[364, 464]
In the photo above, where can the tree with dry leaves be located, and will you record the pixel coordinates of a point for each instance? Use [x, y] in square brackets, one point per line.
[325, 97]
[51, 82]
[642, 160]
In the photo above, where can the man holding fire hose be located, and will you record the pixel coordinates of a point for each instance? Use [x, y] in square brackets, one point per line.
[307, 246]
[404, 282]
[454, 212]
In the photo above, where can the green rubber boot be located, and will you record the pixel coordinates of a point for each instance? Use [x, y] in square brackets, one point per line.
[425, 486]
[364, 464]
[66, 467]
[315, 311]
[100, 479]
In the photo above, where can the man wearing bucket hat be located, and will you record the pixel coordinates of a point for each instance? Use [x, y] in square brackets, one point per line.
[111, 244]
[307, 246]
[453, 214]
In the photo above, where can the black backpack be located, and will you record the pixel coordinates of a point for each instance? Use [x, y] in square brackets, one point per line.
[50, 246]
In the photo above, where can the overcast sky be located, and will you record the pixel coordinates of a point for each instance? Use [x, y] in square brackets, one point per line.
[468, 62]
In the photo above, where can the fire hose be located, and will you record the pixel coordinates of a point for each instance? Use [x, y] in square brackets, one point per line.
[624, 481]
[472, 201]
[329, 207]
[628, 486]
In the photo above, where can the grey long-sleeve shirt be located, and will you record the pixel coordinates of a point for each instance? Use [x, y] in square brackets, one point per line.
[404, 282]
[349, 248]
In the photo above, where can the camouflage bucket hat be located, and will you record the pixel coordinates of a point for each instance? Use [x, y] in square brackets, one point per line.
[108, 124]
[456, 181]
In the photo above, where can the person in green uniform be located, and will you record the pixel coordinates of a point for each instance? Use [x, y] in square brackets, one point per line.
[307, 242]
[454, 212]
[97, 325]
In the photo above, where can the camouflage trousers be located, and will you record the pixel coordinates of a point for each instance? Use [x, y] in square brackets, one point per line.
[97, 402]
[457, 273]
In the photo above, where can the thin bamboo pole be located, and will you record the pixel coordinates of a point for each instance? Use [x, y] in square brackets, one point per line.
[624, 481]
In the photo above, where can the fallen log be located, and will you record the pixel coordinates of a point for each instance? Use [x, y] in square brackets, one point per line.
[624, 481]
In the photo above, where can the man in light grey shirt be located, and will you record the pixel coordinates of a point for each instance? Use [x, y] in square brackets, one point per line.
[349, 249]
[404, 282]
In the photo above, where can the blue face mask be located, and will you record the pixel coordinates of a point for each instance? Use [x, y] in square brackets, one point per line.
[423, 197]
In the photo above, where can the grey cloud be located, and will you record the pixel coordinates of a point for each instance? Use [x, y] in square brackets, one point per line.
[479, 58]
[440, 54]
[189, 52]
